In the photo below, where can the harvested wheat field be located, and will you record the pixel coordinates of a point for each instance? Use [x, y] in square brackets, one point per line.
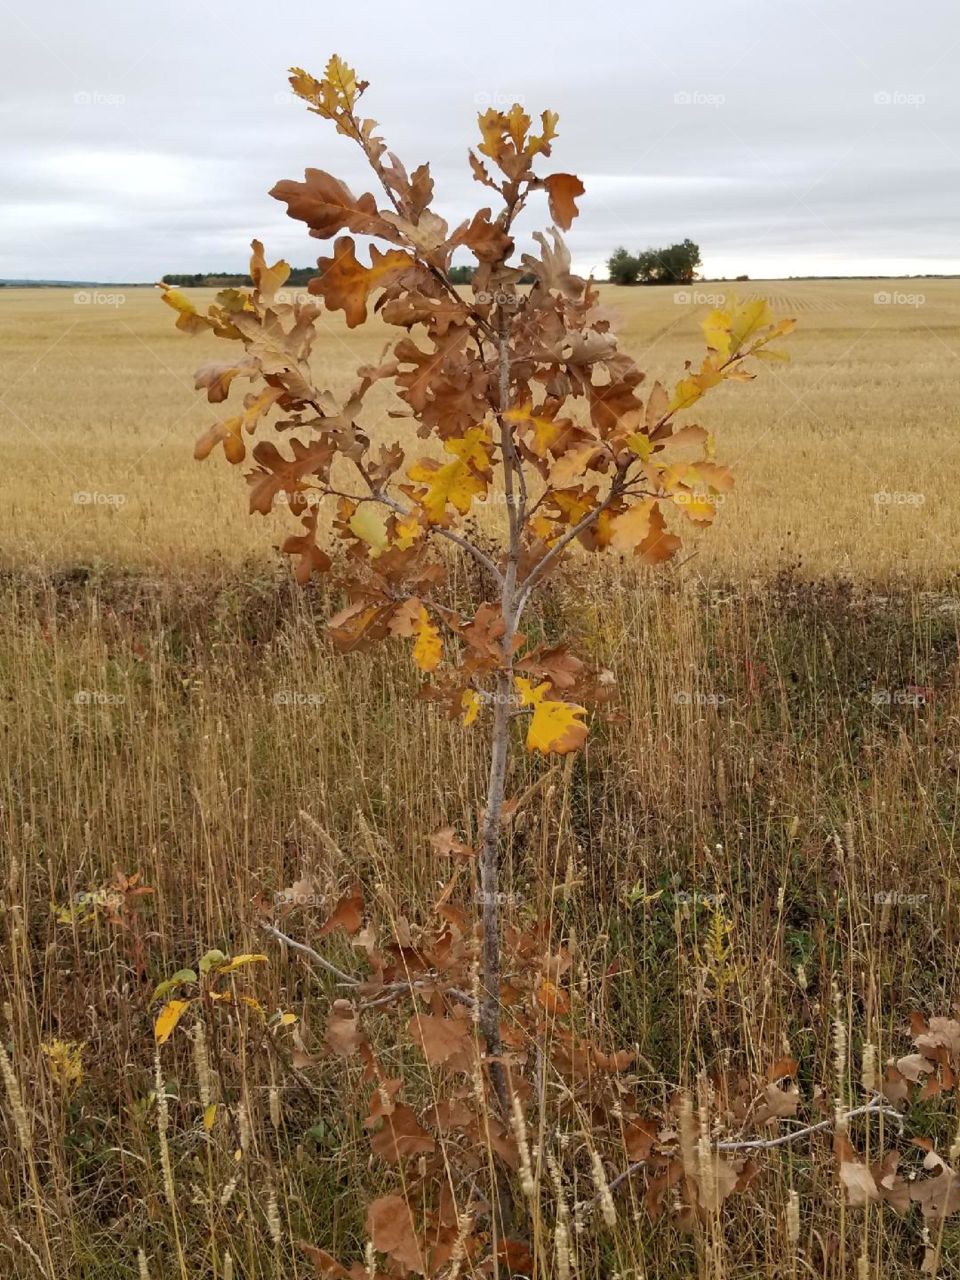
[751, 871]
[844, 458]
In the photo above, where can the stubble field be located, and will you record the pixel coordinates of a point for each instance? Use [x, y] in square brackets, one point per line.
[844, 459]
[763, 836]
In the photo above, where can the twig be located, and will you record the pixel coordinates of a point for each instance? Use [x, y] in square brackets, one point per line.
[309, 951]
[400, 988]
[393, 990]
[875, 1106]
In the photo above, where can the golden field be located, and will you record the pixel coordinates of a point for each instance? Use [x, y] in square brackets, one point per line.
[99, 401]
[763, 835]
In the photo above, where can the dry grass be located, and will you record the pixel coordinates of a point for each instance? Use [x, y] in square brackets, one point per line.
[787, 748]
[99, 400]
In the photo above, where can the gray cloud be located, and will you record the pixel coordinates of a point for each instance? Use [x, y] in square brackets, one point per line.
[786, 138]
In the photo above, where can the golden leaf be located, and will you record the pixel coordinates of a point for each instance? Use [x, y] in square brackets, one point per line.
[555, 726]
[428, 649]
[189, 319]
[550, 997]
[457, 483]
[370, 526]
[238, 962]
[471, 702]
[167, 1019]
[345, 284]
[563, 189]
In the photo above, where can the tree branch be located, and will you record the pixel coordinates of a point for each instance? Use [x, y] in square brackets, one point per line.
[876, 1106]
[558, 548]
[309, 951]
[450, 534]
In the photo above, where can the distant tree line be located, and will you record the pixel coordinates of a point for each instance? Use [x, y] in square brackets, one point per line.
[675, 264]
[299, 277]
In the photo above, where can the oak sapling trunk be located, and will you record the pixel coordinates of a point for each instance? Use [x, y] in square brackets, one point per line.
[490, 886]
[522, 394]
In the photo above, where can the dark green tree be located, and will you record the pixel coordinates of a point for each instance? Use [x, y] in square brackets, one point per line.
[675, 264]
[622, 267]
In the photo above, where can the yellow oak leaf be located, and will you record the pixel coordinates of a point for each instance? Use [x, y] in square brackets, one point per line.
[546, 431]
[554, 726]
[189, 320]
[748, 318]
[685, 393]
[406, 531]
[335, 94]
[238, 962]
[471, 702]
[542, 527]
[457, 483]
[167, 1019]
[342, 80]
[727, 329]
[640, 444]
[573, 504]
[370, 526]
[428, 649]
[716, 330]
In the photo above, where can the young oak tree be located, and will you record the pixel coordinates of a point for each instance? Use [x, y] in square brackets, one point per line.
[518, 391]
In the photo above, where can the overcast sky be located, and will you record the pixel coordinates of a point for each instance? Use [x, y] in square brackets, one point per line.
[786, 137]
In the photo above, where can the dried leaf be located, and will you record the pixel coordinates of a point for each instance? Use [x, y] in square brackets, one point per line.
[347, 914]
[391, 1229]
[563, 189]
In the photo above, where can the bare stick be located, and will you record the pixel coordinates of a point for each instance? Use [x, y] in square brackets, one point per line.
[314, 955]
[876, 1106]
